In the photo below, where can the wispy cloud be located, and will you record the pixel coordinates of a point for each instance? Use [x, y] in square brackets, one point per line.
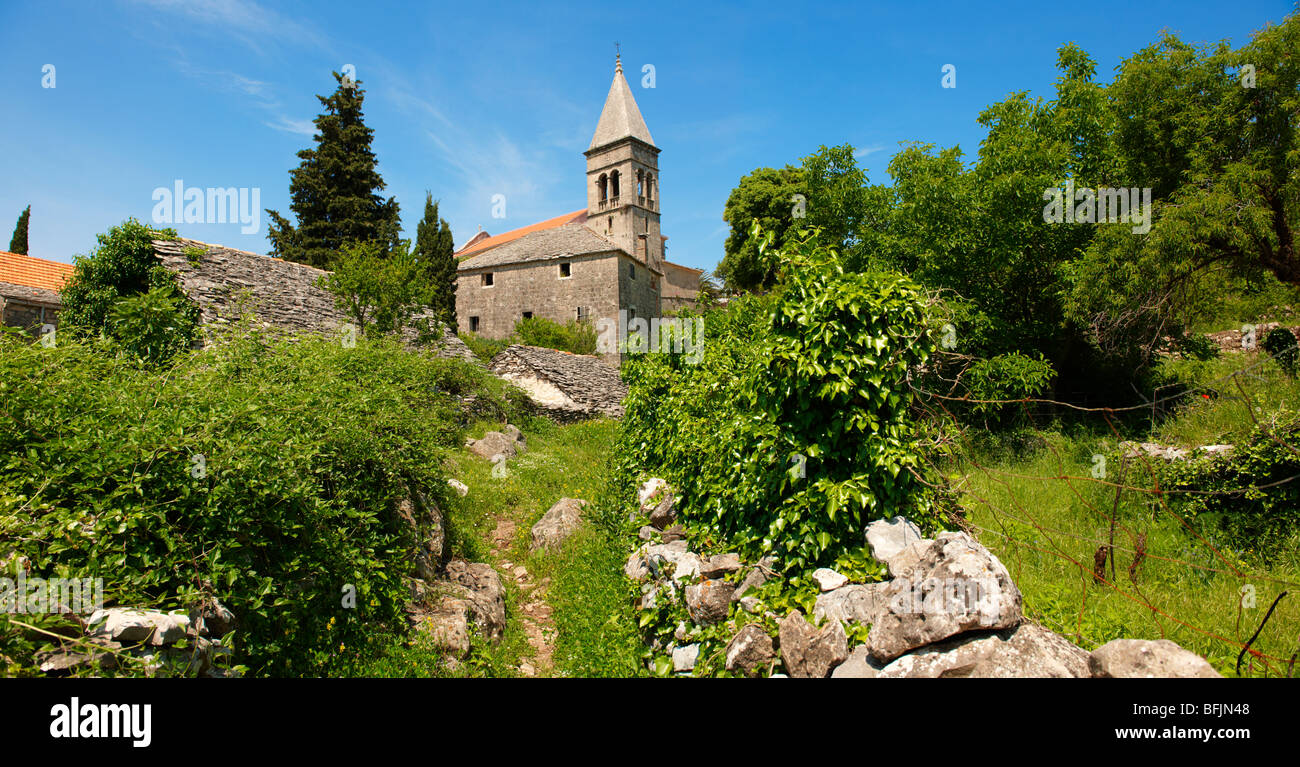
[861, 152]
[256, 26]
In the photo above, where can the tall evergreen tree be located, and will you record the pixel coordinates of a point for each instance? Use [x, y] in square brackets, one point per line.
[334, 189]
[435, 251]
[19, 242]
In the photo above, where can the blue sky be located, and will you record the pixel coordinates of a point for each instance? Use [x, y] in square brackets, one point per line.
[469, 100]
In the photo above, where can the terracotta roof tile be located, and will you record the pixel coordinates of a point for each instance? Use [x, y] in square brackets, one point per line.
[472, 248]
[17, 269]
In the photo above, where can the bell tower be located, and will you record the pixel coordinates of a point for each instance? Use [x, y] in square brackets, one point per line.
[623, 177]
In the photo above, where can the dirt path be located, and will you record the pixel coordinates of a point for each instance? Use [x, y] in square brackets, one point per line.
[533, 611]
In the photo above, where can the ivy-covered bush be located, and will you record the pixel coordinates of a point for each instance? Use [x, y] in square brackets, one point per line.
[794, 431]
[263, 474]
[122, 292]
[1245, 499]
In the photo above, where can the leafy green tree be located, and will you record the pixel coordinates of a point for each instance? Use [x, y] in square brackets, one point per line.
[1216, 134]
[18, 243]
[435, 251]
[379, 289]
[771, 196]
[122, 292]
[334, 189]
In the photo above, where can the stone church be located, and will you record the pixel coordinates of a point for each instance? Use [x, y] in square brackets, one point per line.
[589, 264]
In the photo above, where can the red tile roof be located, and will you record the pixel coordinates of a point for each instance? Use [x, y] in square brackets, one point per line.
[17, 269]
[577, 216]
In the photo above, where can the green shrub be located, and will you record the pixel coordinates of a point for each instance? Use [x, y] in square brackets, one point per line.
[1244, 499]
[122, 291]
[1281, 345]
[264, 474]
[994, 384]
[379, 288]
[573, 336]
[484, 348]
[794, 431]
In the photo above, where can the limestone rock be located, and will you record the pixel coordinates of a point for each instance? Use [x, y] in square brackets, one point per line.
[684, 658]
[859, 665]
[494, 443]
[419, 514]
[750, 650]
[129, 626]
[664, 512]
[480, 585]
[827, 579]
[888, 537]
[855, 603]
[1147, 659]
[809, 652]
[461, 488]
[719, 565]
[213, 619]
[558, 523]
[1025, 651]
[448, 625]
[649, 489]
[955, 587]
[755, 577]
[707, 602]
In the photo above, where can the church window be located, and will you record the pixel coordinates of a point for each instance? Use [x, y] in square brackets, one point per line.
[613, 185]
[602, 184]
[473, 324]
[631, 271]
[487, 279]
[566, 270]
[649, 186]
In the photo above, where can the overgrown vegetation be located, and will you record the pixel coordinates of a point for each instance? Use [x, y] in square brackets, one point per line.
[573, 336]
[122, 293]
[794, 431]
[261, 473]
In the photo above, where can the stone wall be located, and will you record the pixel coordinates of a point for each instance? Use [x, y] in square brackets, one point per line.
[564, 386]
[27, 307]
[537, 287]
[281, 295]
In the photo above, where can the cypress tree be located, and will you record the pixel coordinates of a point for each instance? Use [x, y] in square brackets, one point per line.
[435, 252]
[334, 190]
[18, 244]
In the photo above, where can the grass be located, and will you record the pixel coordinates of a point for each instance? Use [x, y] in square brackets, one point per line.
[593, 630]
[1046, 528]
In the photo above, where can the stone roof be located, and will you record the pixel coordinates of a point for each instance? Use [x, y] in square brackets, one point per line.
[482, 241]
[541, 245]
[620, 118]
[562, 383]
[29, 294]
[32, 272]
[281, 294]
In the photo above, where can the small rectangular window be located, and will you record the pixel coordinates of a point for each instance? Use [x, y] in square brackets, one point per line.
[631, 271]
[528, 315]
[582, 313]
[487, 279]
[565, 271]
[473, 324]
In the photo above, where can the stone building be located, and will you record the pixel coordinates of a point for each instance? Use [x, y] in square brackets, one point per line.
[588, 264]
[29, 290]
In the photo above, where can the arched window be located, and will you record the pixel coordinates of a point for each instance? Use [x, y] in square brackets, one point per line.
[602, 184]
[649, 187]
[613, 185]
[640, 183]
